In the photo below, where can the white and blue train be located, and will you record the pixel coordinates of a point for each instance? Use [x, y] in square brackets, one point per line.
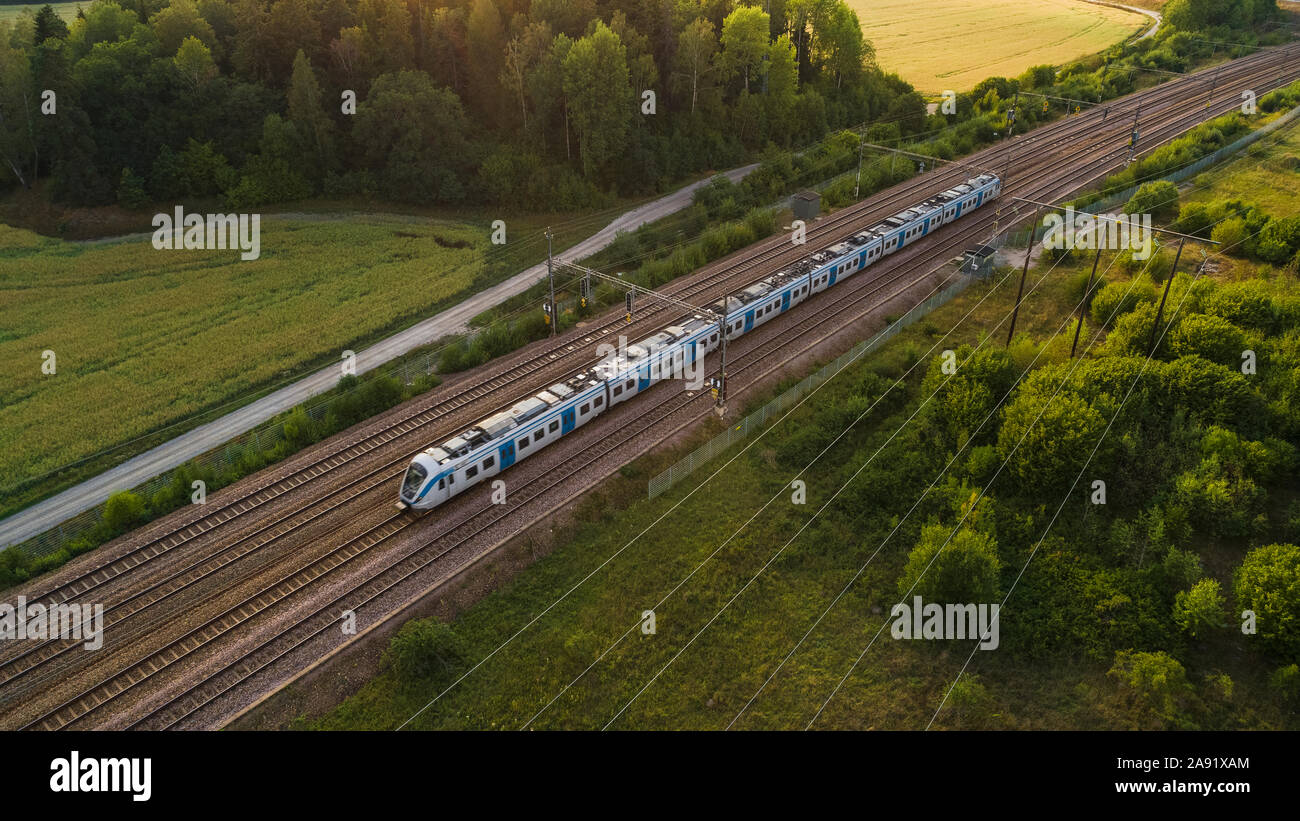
[497, 442]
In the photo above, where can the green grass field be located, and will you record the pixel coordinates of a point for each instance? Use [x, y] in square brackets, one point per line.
[68, 11]
[1266, 174]
[145, 338]
[985, 38]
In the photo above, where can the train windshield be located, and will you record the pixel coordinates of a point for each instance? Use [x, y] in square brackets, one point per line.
[414, 478]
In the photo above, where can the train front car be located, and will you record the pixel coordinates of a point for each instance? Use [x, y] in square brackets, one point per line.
[418, 492]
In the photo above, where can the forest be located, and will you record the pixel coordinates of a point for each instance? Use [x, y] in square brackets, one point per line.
[550, 104]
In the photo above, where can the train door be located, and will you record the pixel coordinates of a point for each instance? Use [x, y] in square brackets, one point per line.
[643, 377]
[785, 301]
[749, 321]
[566, 421]
[507, 452]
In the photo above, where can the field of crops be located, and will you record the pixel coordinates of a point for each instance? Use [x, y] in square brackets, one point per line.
[953, 44]
[68, 11]
[143, 338]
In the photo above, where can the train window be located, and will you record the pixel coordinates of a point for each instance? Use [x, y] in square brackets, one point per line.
[471, 472]
[442, 484]
[629, 384]
[713, 338]
[586, 408]
[600, 400]
[618, 390]
[553, 427]
[523, 443]
[489, 462]
[537, 437]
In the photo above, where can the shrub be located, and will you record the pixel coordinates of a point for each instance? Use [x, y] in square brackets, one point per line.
[1159, 199]
[425, 649]
[1268, 583]
[963, 569]
[1155, 687]
[122, 510]
[1201, 609]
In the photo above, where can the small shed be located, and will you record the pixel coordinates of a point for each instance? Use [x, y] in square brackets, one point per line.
[978, 261]
[807, 205]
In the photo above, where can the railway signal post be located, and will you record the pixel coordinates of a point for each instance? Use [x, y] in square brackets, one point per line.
[720, 392]
[551, 318]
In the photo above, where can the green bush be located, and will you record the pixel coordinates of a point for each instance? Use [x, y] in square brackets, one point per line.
[425, 649]
[961, 569]
[123, 510]
[1268, 583]
[1118, 298]
[1159, 199]
[1201, 609]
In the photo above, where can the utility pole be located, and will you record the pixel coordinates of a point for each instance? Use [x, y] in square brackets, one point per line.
[862, 140]
[1182, 238]
[1214, 83]
[1029, 250]
[1083, 303]
[550, 275]
[1160, 312]
[1133, 137]
[1011, 146]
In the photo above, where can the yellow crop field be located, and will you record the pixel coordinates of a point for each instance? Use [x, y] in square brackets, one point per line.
[143, 338]
[953, 44]
[68, 11]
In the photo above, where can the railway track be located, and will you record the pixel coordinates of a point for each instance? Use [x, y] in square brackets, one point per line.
[772, 256]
